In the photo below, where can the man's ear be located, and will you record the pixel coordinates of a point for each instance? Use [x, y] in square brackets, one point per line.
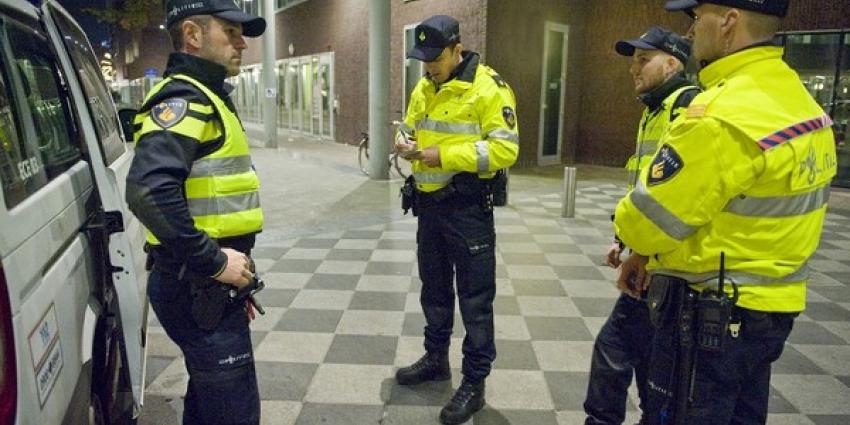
[730, 21]
[193, 34]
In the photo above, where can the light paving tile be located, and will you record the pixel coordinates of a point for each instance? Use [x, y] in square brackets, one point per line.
[306, 254]
[563, 356]
[511, 328]
[356, 244]
[286, 280]
[349, 384]
[393, 255]
[519, 247]
[294, 347]
[531, 272]
[266, 322]
[568, 260]
[279, 412]
[834, 359]
[814, 394]
[547, 306]
[322, 299]
[514, 389]
[380, 283]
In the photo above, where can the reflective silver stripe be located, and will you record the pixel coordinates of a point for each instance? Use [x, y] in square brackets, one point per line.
[206, 167]
[483, 152]
[501, 133]
[632, 178]
[223, 204]
[658, 214]
[779, 206]
[709, 279]
[648, 147]
[449, 127]
[426, 178]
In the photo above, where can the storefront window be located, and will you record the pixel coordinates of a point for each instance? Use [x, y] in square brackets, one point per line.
[823, 61]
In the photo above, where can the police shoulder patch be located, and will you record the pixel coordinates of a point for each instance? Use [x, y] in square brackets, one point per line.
[509, 116]
[169, 112]
[666, 164]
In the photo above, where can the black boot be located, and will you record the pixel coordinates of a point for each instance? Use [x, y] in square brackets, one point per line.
[468, 399]
[431, 367]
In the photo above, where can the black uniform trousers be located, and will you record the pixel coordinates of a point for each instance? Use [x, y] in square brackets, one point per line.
[457, 239]
[222, 379]
[622, 346]
[729, 387]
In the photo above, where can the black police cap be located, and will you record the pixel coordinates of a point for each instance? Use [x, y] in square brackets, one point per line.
[432, 36]
[177, 10]
[767, 7]
[657, 38]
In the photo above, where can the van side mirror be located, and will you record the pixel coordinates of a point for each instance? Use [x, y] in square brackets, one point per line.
[126, 116]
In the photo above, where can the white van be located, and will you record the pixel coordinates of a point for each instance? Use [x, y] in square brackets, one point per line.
[72, 281]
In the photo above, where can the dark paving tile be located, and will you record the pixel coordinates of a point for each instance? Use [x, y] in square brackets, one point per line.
[594, 307]
[501, 271]
[349, 254]
[545, 230]
[276, 297]
[578, 273]
[844, 380]
[325, 414]
[547, 287]
[591, 239]
[338, 282]
[490, 416]
[155, 366]
[813, 333]
[778, 404]
[558, 329]
[568, 389]
[507, 305]
[414, 325]
[284, 381]
[389, 268]
[362, 349]
[396, 244]
[827, 312]
[389, 301]
[425, 394]
[517, 355]
[295, 266]
[843, 277]
[306, 320]
[839, 294]
[514, 237]
[160, 410]
[362, 234]
[521, 259]
[270, 253]
[830, 419]
[316, 243]
[793, 362]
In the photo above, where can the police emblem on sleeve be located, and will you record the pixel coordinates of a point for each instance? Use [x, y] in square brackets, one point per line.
[509, 116]
[665, 165]
[169, 112]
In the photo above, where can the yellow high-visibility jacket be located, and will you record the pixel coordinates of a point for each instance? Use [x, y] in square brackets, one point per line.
[746, 171]
[471, 118]
[222, 191]
[653, 124]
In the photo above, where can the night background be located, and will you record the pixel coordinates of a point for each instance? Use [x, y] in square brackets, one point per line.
[96, 31]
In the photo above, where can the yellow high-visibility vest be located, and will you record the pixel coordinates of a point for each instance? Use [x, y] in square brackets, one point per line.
[222, 190]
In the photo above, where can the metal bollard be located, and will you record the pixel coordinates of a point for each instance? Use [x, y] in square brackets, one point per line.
[568, 207]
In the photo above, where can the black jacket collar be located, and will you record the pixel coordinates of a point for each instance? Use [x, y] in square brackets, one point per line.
[208, 73]
[465, 70]
[655, 97]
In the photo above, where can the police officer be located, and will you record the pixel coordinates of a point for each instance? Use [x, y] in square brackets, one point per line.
[192, 185]
[624, 343]
[462, 117]
[746, 172]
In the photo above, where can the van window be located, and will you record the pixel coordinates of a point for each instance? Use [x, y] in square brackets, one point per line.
[29, 163]
[99, 99]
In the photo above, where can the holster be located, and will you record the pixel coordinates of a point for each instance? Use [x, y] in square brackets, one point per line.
[498, 188]
[408, 195]
[210, 298]
[663, 297]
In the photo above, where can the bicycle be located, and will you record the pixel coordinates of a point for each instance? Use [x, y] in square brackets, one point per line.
[363, 157]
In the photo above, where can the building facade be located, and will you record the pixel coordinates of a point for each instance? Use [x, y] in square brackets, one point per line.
[575, 100]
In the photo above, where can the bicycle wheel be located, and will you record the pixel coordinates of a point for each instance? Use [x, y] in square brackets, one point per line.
[363, 155]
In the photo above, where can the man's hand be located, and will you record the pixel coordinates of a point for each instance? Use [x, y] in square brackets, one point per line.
[237, 271]
[431, 156]
[613, 257]
[632, 279]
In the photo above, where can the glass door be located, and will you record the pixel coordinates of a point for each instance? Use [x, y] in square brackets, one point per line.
[841, 115]
[552, 93]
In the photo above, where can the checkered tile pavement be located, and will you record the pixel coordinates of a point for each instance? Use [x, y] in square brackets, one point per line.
[343, 313]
